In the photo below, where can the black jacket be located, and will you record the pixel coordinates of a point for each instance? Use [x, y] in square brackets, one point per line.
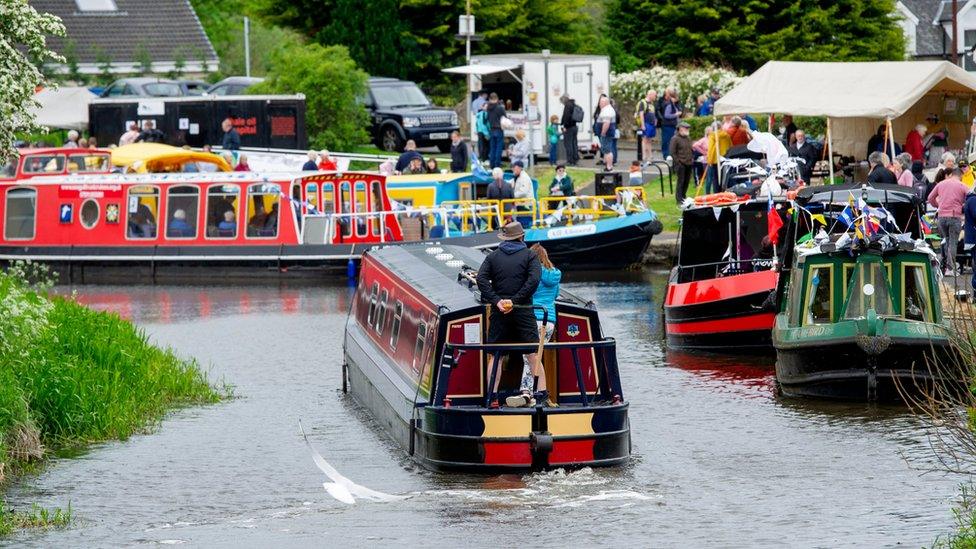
[495, 114]
[567, 120]
[510, 272]
[459, 157]
[809, 154]
[151, 136]
[500, 192]
[880, 174]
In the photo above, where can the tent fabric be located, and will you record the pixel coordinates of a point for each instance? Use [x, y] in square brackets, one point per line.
[843, 90]
[480, 69]
[63, 108]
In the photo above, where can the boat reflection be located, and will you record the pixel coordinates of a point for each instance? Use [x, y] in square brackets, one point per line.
[749, 375]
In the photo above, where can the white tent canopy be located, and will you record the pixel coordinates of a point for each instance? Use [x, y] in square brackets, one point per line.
[856, 96]
[64, 108]
[479, 69]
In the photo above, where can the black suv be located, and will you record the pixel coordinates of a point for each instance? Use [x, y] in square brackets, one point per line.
[399, 111]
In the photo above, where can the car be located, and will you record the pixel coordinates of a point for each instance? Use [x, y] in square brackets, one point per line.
[399, 110]
[193, 87]
[144, 87]
[233, 85]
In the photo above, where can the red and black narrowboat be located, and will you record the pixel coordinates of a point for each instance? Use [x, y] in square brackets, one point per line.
[721, 293]
[414, 357]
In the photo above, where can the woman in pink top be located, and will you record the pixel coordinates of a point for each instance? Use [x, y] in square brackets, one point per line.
[902, 168]
[949, 196]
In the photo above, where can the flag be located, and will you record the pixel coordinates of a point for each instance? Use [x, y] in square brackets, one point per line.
[819, 218]
[926, 226]
[774, 222]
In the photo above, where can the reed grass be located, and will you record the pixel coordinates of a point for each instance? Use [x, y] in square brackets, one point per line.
[70, 375]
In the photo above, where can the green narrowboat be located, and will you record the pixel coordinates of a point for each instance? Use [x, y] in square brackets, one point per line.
[863, 324]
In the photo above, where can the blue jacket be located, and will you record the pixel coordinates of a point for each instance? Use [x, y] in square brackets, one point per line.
[231, 141]
[969, 211]
[547, 292]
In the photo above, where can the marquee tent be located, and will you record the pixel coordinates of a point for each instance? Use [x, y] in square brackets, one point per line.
[63, 108]
[857, 97]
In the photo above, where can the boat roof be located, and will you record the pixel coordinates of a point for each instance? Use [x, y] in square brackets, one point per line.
[60, 150]
[157, 157]
[873, 192]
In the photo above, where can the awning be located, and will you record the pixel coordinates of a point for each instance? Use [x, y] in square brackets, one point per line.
[65, 108]
[480, 69]
[884, 89]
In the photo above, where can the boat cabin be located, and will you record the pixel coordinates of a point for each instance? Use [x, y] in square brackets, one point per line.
[34, 162]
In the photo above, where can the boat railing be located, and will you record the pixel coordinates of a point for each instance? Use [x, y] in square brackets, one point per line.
[475, 214]
[587, 208]
[604, 354]
[718, 269]
[356, 225]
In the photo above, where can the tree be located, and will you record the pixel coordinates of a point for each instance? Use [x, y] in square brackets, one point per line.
[353, 24]
[746, 33]
[332, 84]
[22, 38]
[144, 59]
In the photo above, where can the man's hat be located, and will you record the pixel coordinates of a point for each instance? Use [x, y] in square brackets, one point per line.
[518, 163]
[683, 124]
[511, 231]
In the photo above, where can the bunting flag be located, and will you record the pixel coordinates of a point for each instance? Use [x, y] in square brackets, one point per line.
[926, 226]
[774, 222]
[848, 216]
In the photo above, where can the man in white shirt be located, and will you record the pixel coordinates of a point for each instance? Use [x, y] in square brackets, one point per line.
[606, 125]
[522, 183]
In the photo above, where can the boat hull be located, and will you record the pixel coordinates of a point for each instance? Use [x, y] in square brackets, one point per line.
[614, 243]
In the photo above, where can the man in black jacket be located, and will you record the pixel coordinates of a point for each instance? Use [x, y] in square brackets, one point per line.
[507, 280]
[570, 130]
[459, 153]
[879, 169]
[801, 148]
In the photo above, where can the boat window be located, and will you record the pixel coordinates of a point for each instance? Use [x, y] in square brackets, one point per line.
[89, 214]
[44, 163]
[143, 211]
[371, 316]
[361, 207]
[345, 200]
[328, 198]
[819, 302]
[849, 269]
[182, 205]
[381, 314]
[312, 195]
[796, 305]
[262, 210]
[418, 350]
[20, 212]
[395, 331]
[915, 292]
[88, 163]
[868, 290]
[222, 202]
[377, 201]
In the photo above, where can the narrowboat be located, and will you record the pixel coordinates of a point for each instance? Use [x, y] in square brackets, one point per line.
[862, 316]
[721, 292]
[414, 357]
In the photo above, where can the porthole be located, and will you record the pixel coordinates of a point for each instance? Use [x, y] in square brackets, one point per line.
[89, 214]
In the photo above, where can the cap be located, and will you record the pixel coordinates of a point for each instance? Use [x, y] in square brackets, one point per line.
[683, 124]
[518, 163]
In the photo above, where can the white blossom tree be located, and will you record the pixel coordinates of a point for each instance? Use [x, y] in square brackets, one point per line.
[23, 42]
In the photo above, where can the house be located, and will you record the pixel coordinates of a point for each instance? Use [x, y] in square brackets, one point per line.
[124, 36]
[928, 29]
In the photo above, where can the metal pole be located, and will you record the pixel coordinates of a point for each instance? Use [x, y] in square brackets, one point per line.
[830, 151]
[247, 46]
[955, 32]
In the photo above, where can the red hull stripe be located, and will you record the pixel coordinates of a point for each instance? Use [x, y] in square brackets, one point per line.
[762, 321]
[508, 453]
[571, 451]
[716, 289]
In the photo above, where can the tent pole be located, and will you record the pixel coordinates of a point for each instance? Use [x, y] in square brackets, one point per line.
[891, 139]
[830, 151]
[718, 153]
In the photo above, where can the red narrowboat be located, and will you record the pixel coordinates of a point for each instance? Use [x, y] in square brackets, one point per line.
[721, 293]
[414, 358]
[132, 227]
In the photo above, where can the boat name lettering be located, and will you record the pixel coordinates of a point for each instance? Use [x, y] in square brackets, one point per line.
[90, 190]
[576, 230]
[814, 331]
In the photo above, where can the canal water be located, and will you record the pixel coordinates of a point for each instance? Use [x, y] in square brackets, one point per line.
[719, 459]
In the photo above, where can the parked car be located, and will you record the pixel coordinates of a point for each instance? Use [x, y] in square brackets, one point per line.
[144, 87]
[193, 87]
[233, 85]
[399, 111]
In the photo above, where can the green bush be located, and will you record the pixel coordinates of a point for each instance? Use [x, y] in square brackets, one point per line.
[332, 84]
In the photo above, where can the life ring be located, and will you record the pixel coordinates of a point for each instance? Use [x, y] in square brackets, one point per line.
[717, 198]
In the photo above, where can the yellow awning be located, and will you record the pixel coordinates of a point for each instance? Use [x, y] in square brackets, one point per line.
[158, 158]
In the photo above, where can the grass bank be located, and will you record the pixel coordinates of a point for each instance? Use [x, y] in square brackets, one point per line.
[70, 375]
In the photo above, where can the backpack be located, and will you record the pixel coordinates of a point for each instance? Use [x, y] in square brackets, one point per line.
[641, 108]
[578, 113]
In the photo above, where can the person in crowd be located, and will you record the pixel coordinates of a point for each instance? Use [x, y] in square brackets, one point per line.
[150, 134]
[570, 129]
[606, 124]
[178, 227]
[229, 158]
[635, 177]
[949, 196]
[700, 151]
[522, 188]
[311, 164]
[902, 168]
[92, 142]
[232, 139]
[82, 143]
[789, 129]
[326, 163]
[507, 280]
[878, 163]
[709, 105]
[407, 156]
[142, 223]
[484, 133]
[718, 144]
[700, 105]
[258, 220]
[552, 136]
[479, 102]
[739, 132]
[967, 177]
[430, 165]
[913, 142]
[562, 184]
[459, 153]
[750, 122]
[496, 112]
[945, 168]
[647, 122]
[969, 219]
[544, 305]
[616, 129]
[669, 120]
[228, 226]
[499, 189]
[130, 136]
[877, 142]
[242, 165]
[416, 166]
[521, 149]
[805, 151]
[72, 142]
[682, 159]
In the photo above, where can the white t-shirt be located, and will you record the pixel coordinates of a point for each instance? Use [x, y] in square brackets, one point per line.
[522, 186]
[607, 114]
